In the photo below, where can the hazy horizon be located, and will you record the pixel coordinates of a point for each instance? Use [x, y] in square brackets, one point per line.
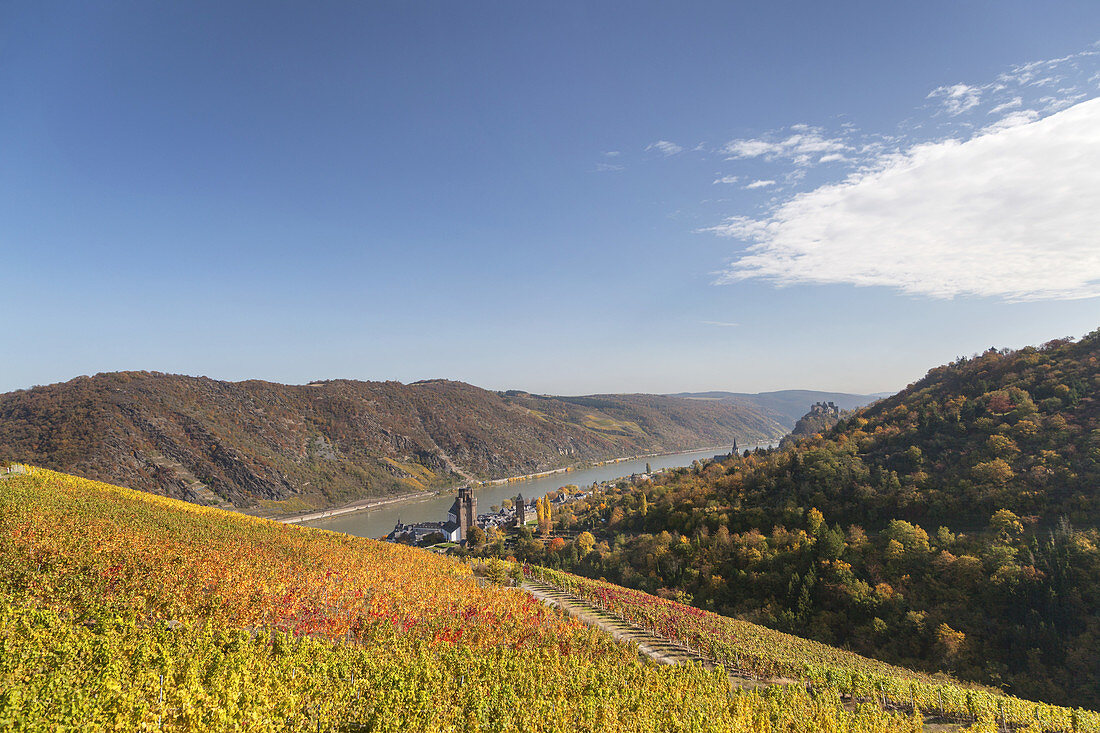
[673, 393]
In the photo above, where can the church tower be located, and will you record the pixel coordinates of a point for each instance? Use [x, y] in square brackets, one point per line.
[467, 511]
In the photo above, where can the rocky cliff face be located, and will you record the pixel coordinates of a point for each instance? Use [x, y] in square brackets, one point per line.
[821, 417]
[262, 445]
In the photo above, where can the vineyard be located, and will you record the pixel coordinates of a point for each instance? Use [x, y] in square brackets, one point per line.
[757, 651]
[120, 610]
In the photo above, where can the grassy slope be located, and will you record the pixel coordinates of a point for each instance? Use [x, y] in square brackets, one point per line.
[120, 610]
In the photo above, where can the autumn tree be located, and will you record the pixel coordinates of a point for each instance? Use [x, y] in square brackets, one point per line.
[814, 520]
[475, 536]
[949, 643]
[1005, 525]
[495, 571]
[996, 472]
[542, 510]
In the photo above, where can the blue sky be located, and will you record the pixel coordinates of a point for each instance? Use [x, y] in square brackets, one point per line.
[559, 197]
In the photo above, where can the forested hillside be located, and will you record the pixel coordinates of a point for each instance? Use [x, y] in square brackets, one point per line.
[293, 447]
[952, 526]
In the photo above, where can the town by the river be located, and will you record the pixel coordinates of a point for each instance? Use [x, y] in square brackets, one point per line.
[379, 521]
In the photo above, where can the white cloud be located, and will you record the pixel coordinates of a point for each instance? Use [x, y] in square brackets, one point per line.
[1013, 103]
[957, 98]
[664, 147]
[727, 179]
[606, 167]
[957, 110]
[751, 148]
[612, 153]
[1019, 117]
[1041, 73]
[725, 324]
[760, 184]
[1064, 98]
[1010, 213]
[799, 146]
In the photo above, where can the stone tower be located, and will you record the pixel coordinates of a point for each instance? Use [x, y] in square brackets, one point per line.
[521, 511]
[467, 511]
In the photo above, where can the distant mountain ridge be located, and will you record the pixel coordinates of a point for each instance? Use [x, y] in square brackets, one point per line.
[788, 405]
[281, 448]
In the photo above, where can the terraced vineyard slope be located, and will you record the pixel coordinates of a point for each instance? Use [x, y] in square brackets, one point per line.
[120, 610]
[754, 652]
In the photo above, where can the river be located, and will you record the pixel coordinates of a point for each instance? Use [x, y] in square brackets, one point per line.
[378, 522]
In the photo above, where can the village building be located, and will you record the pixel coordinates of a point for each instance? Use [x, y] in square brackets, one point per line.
[417, 532]
[463, 516]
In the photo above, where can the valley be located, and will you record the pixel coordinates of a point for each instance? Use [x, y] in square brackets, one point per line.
[568, 367]
[379, 519]
[927, 561]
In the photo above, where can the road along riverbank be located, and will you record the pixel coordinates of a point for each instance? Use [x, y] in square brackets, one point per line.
[377, 517]
[355, 506]
[375, 503]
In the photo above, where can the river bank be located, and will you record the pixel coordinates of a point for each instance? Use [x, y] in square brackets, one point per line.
[590, 464]
[374, 516]
[411, 496]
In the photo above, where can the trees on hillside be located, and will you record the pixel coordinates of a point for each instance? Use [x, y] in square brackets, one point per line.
[934, 528]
